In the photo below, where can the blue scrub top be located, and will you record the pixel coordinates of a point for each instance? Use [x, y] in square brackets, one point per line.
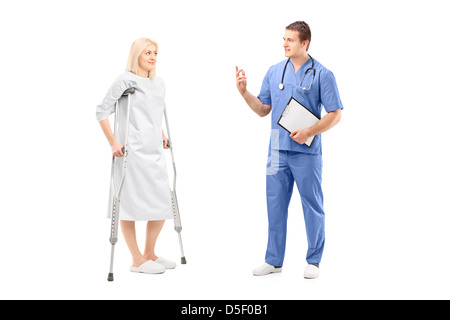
[323, 93]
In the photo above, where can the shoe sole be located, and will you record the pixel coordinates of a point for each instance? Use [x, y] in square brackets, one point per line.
[136, 270]
[277, 270]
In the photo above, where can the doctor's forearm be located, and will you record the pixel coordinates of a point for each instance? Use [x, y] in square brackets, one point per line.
[326, 123]
[256, 105]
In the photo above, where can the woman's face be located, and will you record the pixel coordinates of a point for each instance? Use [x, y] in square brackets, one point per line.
[147, 59]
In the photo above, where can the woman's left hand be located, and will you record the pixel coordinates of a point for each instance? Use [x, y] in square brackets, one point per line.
[166, 143]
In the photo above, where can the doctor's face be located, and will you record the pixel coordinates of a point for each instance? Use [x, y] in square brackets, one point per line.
[293, 47]
[147, 59]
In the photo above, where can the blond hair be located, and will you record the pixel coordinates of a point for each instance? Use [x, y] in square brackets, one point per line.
[135, 51]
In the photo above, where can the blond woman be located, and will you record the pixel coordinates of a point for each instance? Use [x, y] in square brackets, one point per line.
[145, 194]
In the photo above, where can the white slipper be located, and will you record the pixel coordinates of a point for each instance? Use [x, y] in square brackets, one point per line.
[166, 263]
[311, 272]
[265, 269]
[148, 267]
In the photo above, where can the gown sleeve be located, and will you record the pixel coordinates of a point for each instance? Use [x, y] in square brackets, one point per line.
[108, 105]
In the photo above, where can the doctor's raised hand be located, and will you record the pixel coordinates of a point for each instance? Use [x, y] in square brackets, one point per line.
[241, 81]
[253, 102]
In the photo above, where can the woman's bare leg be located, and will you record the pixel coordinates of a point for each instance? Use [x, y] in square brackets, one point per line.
[153, 230]
[129, 233]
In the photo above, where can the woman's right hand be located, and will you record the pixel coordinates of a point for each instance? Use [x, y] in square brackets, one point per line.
[116, 149]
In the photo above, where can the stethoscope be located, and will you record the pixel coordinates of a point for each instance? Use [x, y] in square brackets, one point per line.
[281, 86]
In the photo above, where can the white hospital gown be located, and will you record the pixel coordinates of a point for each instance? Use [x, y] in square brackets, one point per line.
[145, 193]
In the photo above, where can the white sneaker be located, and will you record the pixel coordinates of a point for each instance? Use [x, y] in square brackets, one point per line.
[311, 272]
[148, 267]
[265, 269]
[166, 263]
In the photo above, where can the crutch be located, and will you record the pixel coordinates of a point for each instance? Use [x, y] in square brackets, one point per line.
[173, 193]
[116, 195]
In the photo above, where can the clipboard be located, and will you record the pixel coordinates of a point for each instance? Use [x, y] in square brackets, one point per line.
[296, 117]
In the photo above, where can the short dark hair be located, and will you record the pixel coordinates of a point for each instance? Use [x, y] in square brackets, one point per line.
[303, 31]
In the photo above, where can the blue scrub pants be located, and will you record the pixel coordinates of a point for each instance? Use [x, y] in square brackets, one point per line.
[306, 171]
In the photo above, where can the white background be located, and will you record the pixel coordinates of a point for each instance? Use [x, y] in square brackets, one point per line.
[385, 175]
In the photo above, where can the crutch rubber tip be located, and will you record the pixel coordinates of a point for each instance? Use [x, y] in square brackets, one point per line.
[110, 277]
[183, 260]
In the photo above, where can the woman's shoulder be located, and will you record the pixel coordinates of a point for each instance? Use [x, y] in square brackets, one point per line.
[126, 79]
[126, 76]
[123, 82]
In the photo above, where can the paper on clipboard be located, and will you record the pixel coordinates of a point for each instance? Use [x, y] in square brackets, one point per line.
[296, 117]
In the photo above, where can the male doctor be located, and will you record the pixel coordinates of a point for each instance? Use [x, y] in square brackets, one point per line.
[302, 77]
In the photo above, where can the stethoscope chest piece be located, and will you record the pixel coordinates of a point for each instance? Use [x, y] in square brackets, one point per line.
[281, 86]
